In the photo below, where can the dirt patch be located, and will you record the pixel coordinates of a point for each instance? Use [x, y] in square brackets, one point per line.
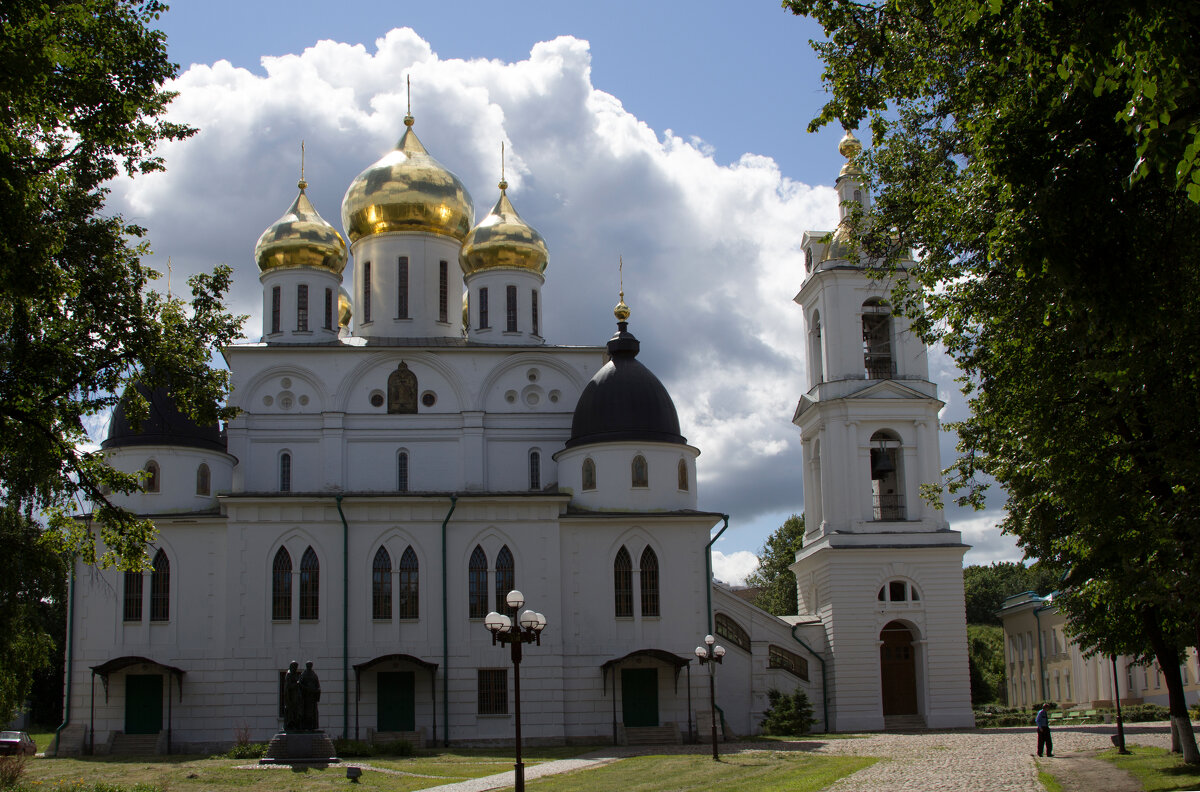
[1082, 772]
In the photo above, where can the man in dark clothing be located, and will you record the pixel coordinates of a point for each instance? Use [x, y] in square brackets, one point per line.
[1043, 727]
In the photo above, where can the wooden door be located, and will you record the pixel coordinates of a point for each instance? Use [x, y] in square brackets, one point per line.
[639, 696]
[396, 701]
[898, 670]
[143, 703]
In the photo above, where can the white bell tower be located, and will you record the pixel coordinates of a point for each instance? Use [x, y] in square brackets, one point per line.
[880, 567]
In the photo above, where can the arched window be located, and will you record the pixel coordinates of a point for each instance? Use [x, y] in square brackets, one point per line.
[589, 474]
[623, 583]
[132, 610]
[639, 472]
[285, 472]
[649, 580]
[281, 586]
[731, 631]
[506, 580]
[816, 361]
[887, 491]
[402, 391]
[409, 588]
[877, 339]
[310, 586]
[203, 480]
[808, 259]
[535, 470]
[898, 591]
[683, 476]
[858, 196]
[381, 585]
[477, 604]
[402, 471]
[160, 588]
[151, 478]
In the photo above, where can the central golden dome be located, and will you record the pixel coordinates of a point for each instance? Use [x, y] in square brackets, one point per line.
[407, 190]
[301, 238]
[502, 240]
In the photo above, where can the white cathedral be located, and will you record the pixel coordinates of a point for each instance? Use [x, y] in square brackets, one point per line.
[402, 461]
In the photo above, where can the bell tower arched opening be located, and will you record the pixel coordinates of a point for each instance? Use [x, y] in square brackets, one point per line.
[898, 670]
[887, 492]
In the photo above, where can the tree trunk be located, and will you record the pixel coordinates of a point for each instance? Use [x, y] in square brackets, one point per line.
[1181, 724]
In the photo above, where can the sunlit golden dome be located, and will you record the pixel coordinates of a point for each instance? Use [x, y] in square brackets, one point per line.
[850, 147]
[407, 190]
[345, 308]
[301, 238]
[502, 240]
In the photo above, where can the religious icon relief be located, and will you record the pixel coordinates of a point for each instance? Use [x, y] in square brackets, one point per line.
[402, 391]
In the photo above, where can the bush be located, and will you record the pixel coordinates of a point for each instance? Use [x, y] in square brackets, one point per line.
[247, 750]
[1141, 713]
[11, 770]
[394, 748]
[788, 715]
[360, 748]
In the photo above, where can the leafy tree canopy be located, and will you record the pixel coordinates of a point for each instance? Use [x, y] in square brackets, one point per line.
[986, 587]
[81, 102]
[778, 583]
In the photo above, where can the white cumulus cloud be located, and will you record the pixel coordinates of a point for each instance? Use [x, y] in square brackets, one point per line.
[734, 568]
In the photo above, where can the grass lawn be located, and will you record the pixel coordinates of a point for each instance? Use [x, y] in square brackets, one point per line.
[1049, 782]
[1158, 770]
[42, 739]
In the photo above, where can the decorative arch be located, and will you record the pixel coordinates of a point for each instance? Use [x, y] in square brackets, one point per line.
[160, 587]
[409, 588]
[506, 579]
[899, 590]
[648, 578]
[367, 375]
[683, 483]
[524, 360]
[898, 668]
[203, 479]
[589, 474]
[887, 489]
[477, 584]
[623, 583]
[402, 391]
[153, 478]
[252, 390]
[281, 586]
[310, 585]
[639, 472]
[381, 585]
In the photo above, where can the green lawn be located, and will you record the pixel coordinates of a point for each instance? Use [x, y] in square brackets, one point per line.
[42, 739]
[1158, 770]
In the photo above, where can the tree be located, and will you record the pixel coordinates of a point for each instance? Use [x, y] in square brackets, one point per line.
[81, 102]
[986, 587]
[787, 715]
[1014, 146]
[985, 657]
[778, 583]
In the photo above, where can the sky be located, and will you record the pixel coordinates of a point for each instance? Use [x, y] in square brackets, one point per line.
[672, 136]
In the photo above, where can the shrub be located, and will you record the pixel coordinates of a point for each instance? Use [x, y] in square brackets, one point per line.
[1141, 713]
[353, 748]
[11, 770]
[394, 748]
[247, 750]
[788, 715]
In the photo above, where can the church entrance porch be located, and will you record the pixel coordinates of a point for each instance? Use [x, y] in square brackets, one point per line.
[639, 696]
[898, 674]
[647, 705]
[143, 703]
[396, 678]
[395, 701]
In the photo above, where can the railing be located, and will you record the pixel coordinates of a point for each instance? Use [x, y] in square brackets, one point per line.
[879, 367]
[889, 507]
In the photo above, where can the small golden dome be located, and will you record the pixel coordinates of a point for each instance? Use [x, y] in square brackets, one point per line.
[407, 190]
[621, 310]
[850, 147]
[345, 308]
[502, 240]
[301, 238]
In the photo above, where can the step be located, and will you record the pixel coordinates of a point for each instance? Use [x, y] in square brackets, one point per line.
[134, 745]
[903, 723]
[652, 735]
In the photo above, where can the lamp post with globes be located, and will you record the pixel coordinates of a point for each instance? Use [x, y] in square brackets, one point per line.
[711, 653]
[528, 629]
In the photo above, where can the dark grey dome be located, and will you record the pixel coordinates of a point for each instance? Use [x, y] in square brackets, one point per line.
[624, 401]
[164, 425]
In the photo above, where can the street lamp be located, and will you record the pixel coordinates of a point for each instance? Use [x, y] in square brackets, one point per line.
[711, 653]
[528, 629]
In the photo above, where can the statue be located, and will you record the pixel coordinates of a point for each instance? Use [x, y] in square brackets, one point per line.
[293, 699]
[310, 689]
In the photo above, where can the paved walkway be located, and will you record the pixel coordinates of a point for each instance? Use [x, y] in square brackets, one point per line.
[991, 760]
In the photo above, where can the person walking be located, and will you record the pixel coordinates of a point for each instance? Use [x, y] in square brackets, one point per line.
[1042, 721]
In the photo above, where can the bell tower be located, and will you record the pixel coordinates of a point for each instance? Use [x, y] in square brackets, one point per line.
[880, 567]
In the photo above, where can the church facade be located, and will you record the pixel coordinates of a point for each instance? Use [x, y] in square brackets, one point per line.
[402, 460]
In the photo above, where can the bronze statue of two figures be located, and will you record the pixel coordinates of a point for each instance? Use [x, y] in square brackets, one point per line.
[301, 692]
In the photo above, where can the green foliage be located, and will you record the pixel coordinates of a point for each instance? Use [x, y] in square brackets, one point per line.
[778, 583]
[361, 748]
[985, 655]
[1144, 713]
[986, 587]
[787, 715]
[249, 750]
[82, 102]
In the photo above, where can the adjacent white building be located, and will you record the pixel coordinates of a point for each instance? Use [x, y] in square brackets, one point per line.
[411, 449]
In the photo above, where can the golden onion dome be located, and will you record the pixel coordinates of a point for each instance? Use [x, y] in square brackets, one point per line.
[301, 238]
[407, 190]
[345, 308]
[502, 240]
[466, 309]
[850, 147]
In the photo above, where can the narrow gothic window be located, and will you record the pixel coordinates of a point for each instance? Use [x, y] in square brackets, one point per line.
[366, 292]
[477, 585]
[506, 580]
[649, 581]
[203, 480]
[302, 307]
[402, 391]
[328, 309]
[132, 612]
[160, 588]
[276, 308]
[402, 471]
[281, 586]
[402, 288]
[409, 589]
[285, 472]
[683, 476]
[483, 307]
[381, 585]
[640, 474]
[535, 470]
[589, 474]
[443, 291]
[623, 583]
[510, 294]
[534, 295]
[310, 586]
[858, 196]
[152, 479]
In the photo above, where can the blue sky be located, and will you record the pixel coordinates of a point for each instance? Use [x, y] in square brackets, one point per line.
[672, 135]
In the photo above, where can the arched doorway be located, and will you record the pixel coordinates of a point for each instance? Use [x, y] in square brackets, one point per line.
[897, 670]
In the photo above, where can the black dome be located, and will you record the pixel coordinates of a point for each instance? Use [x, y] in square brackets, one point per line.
[164, 425]
[624, 401]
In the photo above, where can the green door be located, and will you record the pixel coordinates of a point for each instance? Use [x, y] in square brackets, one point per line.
[639, 696]
[143, 703]
[397, 705]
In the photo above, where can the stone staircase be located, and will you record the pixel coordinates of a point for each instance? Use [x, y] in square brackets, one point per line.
[134, 744]
[667, 734]
[903, 723]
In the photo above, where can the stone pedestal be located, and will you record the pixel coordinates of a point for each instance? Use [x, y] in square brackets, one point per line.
[300, 748]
